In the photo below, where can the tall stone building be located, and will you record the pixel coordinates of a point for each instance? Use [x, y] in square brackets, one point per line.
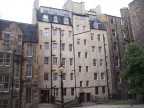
[76, 39]
[17, 41]
[136, 12]
[117, 45]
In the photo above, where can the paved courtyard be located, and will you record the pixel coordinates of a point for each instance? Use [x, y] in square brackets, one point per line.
[112, 106]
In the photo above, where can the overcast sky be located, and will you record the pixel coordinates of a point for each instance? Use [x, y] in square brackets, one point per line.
[21, 10]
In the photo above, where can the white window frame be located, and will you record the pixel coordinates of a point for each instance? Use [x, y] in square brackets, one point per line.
[87, 68]
[79, 54]
[100, 49]
[77, 27]
[101, 62]
[117, 61]
[115, 46]
[70, 47]
[87, 83]
[95, 76]
[46, 60]
[1, 83]
[17, 84]
[54, 47]
[7, 63]
[63, 47]
[85, 41]
[114, 32]
[63, 61]
[6, 39]
[46, 31]
[80, 68]
[66, 20]
[93, 49]
[92, 36]
[54, 32]
[70, 34]
[4, 82]
[71, 61]
[45, 18]
[55, 19]
[62, 33]
[78, 41]
[28, 95]
[71, 76]
[1, 58]
[81, 83]
[55, 76]
[56, 92]
[102, 76]
[86, 54]
[28, 70]
[54, 60]
[46, 76]
[46, 45]
[64, 76]
[84, 27]
[94, 62]
[72, 91]
[29, 50]
[19, 39]
[99, 37]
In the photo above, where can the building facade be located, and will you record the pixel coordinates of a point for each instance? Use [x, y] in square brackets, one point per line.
[76, 39]
[137, 23]
[13, 45]
[117, 42]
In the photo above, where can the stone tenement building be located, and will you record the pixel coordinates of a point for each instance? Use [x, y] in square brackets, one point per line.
[88, 44]
[77, 39]
[17, 59]
[117, 45]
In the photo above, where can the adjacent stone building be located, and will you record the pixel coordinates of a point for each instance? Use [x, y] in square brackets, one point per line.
[17, 44]
[136, 13]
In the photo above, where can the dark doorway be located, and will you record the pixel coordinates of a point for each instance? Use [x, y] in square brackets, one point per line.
[81, 99]
[119, 94]
[44, 96]
[88, 97]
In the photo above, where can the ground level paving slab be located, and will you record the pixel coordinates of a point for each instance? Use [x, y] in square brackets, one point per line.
[112, 106]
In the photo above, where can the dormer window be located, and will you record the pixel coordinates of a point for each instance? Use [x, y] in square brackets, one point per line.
[55, 19]
[45, 18]
[66, 20]
[95, 24]
[6, 40]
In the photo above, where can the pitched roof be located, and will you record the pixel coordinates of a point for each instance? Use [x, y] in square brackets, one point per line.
[29, 30]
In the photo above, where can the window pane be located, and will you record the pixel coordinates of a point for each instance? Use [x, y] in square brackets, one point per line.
[7, 59]
[30, 50]
[28, 95]
[1, 58]
[28, 71]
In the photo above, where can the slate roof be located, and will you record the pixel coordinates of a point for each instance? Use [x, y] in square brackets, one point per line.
[51, 16]
[29, 30]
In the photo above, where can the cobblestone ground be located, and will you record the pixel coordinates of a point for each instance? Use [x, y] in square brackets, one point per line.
[112, 106]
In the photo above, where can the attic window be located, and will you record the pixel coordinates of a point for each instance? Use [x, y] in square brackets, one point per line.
[66, 20]
[45, 18]
[55, 19]
[95, 24]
